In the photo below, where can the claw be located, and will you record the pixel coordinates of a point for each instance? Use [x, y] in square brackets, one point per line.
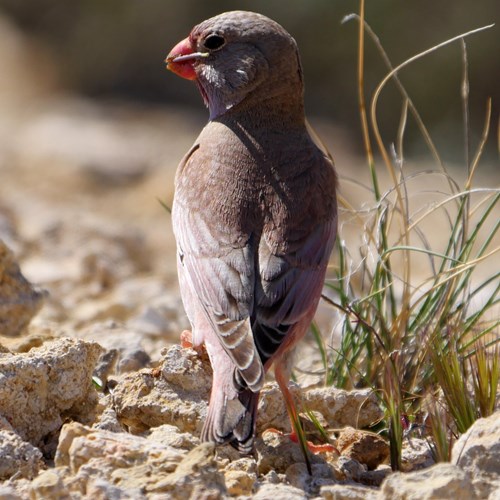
[313, 448]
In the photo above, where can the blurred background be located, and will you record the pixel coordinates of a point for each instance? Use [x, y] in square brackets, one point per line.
[114, 49]
[92, 128]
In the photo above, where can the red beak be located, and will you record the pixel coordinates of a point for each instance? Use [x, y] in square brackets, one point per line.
[182, 58]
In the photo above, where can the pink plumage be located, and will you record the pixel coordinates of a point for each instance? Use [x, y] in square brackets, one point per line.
[254, 214]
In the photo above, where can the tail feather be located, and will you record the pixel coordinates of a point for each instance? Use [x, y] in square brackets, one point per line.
[232, 420]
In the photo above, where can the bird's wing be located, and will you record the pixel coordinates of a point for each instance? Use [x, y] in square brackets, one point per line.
[218, 267]
[292, 266]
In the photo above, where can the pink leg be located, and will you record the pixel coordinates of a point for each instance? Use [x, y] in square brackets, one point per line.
[282, 377]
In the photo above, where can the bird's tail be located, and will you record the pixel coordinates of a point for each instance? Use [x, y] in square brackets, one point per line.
[231, 420]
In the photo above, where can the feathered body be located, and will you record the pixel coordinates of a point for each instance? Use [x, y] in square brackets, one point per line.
[254, 214]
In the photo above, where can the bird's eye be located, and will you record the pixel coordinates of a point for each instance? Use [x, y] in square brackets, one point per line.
[214, 42]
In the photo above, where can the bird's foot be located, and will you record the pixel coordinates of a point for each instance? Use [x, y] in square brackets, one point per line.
[313, 448]
[187, 343]
[187, 339]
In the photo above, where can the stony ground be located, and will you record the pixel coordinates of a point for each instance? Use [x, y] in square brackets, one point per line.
[97, 398]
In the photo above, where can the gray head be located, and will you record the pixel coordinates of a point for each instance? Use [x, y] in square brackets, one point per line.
[239, 58]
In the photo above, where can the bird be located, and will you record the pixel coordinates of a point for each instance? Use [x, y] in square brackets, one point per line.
[254, 215]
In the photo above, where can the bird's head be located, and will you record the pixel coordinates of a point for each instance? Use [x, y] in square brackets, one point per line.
[239, 57]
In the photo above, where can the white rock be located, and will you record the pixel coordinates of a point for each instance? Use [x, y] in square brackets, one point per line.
[358, 408]
[49, 484]
[9, 493]
[169, 435]
[41, 388]
[131, 463]
[176, 393]
[478, 450]
[19, 301]
[348, 492]
[279, 492]
[197, 476]
[416, 455]
[17, 457]
[442, 481]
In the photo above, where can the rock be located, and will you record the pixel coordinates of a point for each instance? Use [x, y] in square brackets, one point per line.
[169, 435]
[241, 476]
[357, 408]
[9, 493]
[272, 411]
[366, 447]
[42, 388]
[349, 469]
[478, 450]
[93, 253]
[441, 481]
[124, 350]
[348, 492]
[8, 224]
[176, 393]
[107, 419]
[416, 455]
[279, 492]
[26, 342]
[131, 463]
[162, 315]
[100, 489]
[49, 484]
[322, 474]
[17, 457]
[278, 452]
[19, 301]
[196, 476]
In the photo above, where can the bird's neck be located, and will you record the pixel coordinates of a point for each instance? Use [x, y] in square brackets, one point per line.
[270, 110]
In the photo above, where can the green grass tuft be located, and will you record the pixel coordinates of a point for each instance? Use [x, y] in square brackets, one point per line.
[416, 317]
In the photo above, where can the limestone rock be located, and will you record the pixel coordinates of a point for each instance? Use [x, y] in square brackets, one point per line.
[40, 389]
[272, 411]
[106, 416]
[9, 493]
[162, 315]
[241, 476]
[322, 474]
[278, 452]
[49, 484]
[176, 393]
[19, 301]
[357, 408]
[348, 492]
[29, 340]
[94, 254]
[279, 492]
[124, 350]
[415, 455]
[126, 461]
[366, 447]
[478, 450]
[169, 435]
[441, 481]
[197, 476]
[17, 457]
